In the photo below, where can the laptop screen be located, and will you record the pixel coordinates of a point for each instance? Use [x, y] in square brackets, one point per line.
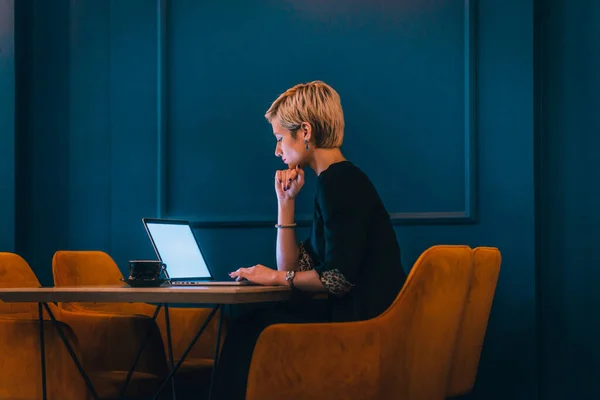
[178, 249]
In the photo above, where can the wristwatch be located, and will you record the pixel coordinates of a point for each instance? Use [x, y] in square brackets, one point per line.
[289, 277]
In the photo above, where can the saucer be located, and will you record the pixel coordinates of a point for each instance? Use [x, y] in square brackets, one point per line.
[144, 282]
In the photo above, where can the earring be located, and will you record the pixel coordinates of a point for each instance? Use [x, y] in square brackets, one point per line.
[306, 143]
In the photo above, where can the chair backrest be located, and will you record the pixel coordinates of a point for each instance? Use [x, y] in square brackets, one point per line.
[420, 328]
[16, 272]
[80, 268]
[486, 269]
[20, 362]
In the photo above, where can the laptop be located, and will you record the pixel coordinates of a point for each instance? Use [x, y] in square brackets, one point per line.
[175, 245]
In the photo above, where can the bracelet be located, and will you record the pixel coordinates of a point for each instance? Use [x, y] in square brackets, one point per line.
[285, 226]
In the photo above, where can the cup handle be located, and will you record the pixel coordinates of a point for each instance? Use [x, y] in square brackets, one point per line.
[163, 269]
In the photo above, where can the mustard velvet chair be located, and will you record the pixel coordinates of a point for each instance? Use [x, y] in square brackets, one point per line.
[107, 342]
[20, 366]
[77, 268]
[486, 270]
[405, 353]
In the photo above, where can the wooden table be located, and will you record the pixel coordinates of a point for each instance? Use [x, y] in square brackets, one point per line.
[163, 296]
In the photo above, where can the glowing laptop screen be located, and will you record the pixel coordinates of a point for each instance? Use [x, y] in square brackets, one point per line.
[177, 248]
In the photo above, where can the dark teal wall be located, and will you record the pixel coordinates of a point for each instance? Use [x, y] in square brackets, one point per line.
[7, 126]
[43, 171]
[110, 130]
[569, 194]
[392, 70]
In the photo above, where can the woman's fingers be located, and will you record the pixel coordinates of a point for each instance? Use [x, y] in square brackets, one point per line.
[285, 184]
[293, 175]
[278, 177]
[296, 178]
[288, 177]
[285, 180]
[241, 274]
[237, 272]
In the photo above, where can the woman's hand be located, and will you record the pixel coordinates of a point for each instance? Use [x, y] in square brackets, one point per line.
[258, 274]
[288, 183]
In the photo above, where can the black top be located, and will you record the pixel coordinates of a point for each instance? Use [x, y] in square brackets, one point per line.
[352, 245]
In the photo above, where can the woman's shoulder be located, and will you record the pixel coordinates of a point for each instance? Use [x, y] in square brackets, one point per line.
[342, 170]
[347, 179]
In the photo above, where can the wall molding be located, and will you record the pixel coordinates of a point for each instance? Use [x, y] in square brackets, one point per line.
[466, 216]
[161, 106]
[8, 137]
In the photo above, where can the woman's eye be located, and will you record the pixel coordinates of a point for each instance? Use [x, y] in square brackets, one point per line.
[280, 139]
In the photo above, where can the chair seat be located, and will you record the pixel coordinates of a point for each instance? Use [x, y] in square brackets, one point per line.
[192, 380]
[193, 376]
[108, 384]
[195, 367]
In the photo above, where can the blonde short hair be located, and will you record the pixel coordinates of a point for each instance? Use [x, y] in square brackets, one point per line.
[316, 103]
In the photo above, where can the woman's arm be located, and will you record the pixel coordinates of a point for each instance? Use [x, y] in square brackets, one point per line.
[304, 280]
[287, 250]
[308, 281]
[287, 185]
[345, 201]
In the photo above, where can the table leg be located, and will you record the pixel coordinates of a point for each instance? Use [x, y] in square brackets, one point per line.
[170, 348]
[217, 347]
[42, 350]
[185, 353]
[85, 377]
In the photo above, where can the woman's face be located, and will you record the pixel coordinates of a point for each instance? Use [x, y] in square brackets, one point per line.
[292, 151]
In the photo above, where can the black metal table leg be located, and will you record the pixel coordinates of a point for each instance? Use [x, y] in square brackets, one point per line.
[216, 358]
[185, 353]
[138, 355]
[85, 377]
[42, 350]
[170, 349]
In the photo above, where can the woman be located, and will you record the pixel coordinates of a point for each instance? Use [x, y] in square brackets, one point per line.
[351, 253]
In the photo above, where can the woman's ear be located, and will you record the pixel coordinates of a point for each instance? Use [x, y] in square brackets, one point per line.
[306, 131]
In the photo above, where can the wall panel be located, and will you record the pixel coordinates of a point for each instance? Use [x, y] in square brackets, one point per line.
[405, 75]
[7, 126]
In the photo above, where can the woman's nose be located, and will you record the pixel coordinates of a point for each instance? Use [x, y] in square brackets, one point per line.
[278, 151]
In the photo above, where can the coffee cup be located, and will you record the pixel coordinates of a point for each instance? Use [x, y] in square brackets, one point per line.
[146, 269]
